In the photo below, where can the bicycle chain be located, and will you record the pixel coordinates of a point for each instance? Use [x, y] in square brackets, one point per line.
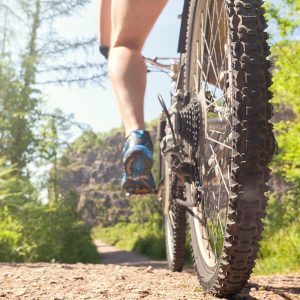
[177, 191]
[190, 126]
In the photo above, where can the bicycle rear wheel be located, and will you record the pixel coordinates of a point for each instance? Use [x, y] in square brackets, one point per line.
[175, 217]
[227, 73]
[174, 221]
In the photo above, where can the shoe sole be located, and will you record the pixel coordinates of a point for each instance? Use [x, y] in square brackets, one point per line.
[130, 187]
[133, 158]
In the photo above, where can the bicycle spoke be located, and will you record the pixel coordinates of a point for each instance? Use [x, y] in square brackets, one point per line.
[220, 170]
[214, 103]
[171, 218]
[202, 72]
[210, 61]
[220, 143]
[212, 50]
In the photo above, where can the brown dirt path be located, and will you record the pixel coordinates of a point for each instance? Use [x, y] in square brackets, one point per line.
[123, 275]
[114, 256]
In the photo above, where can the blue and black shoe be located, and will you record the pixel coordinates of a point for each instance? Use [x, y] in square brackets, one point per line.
[137, 161]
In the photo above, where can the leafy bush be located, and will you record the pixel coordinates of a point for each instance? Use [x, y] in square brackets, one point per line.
[280, 252]
[143, 233]
[87, 140]
[10, 237]
[287, 96]
[144, 238]
[45, 233]
[54, 232]
[30, 231]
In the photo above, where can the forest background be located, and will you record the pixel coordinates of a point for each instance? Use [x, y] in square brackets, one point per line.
[33, 140]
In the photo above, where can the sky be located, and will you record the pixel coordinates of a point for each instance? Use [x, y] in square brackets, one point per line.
[96, 106]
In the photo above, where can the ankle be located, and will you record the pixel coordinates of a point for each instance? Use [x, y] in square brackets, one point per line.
[129, 130]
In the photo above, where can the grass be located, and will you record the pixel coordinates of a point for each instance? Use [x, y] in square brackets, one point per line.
[280, 252]
[144, 238]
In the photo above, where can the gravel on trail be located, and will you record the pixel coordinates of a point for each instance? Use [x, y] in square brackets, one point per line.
[124, 275]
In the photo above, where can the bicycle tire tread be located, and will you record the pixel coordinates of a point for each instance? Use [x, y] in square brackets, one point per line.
[253, 144]
[179, 233]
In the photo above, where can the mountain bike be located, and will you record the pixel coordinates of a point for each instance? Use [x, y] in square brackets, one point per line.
[216, 142]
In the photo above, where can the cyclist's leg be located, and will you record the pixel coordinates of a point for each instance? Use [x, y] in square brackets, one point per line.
[131, 23]
[105, 26]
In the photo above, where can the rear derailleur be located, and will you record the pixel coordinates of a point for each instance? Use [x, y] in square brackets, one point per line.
[179, 135]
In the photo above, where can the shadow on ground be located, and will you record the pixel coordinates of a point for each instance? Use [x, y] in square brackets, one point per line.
[272, 289]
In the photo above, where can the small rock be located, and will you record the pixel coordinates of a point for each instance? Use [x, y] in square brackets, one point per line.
[149, 269]
[143, 292]
[130, 287]
[65, 267]
[21, 292]
[78, 278]
[119, 277]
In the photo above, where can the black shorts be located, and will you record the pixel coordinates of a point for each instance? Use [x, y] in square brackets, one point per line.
[104, 51]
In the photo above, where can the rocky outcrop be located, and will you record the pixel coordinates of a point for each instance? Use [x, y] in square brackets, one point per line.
[95, 176]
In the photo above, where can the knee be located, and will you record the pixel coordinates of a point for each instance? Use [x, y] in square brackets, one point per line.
[129, 43]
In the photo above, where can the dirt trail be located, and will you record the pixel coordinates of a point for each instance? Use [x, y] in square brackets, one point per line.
[124, 275]
[112, 255]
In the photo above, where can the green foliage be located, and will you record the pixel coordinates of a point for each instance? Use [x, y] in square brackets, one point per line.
[144, 238]
[30, 231]
[145, 209]
[45, 233]
[54, 138]
[286, 74]
[280, 250]
[287, 96]
[280, 253]
[287, 161]
[143, 233]
[17, 118]
[283, 212]
[38, 56]
[54, 135]
[15, 190]
[10, 237]
[286, 15]
[152, 125]
[88, 140]
[54, 232]
[105, 135]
